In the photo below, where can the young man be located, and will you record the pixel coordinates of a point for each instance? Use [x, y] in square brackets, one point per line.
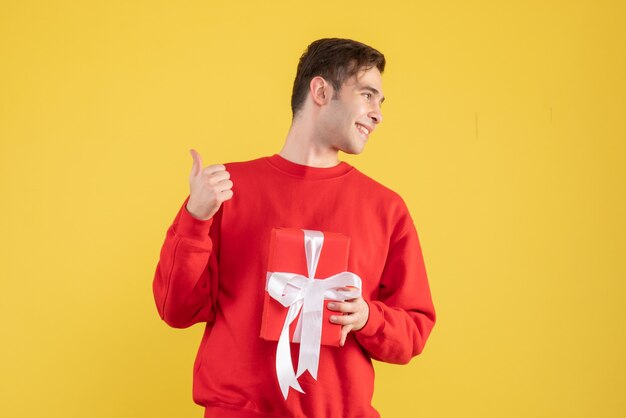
[214, 261]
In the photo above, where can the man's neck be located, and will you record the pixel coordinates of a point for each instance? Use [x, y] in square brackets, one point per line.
[303, 147]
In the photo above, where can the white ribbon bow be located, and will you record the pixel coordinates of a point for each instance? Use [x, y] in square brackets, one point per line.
[307, 293]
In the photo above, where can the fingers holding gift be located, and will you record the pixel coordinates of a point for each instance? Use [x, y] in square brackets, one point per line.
[355, 314]
[345, 307]
[351, 314]
[350, 319]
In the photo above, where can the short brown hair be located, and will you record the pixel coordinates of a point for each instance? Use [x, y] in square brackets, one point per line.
[335, 60]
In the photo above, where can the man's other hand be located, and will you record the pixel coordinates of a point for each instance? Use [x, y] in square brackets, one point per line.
[209, 187]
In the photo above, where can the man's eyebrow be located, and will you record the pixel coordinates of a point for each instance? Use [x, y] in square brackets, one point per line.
[375, 92]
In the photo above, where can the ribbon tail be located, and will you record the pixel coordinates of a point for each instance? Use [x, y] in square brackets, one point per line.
[309, 356]
[311, 338]
[297, 335]
[284, 366]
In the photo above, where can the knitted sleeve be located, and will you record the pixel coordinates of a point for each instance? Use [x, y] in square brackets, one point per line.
[402, 316]
[185, 280]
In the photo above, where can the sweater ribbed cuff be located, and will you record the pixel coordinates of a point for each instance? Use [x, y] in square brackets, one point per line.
[194, 228]
[375, 321]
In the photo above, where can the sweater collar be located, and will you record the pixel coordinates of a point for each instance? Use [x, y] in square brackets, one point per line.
[308, 172]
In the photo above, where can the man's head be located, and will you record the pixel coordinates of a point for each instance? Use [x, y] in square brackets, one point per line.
[335, 60]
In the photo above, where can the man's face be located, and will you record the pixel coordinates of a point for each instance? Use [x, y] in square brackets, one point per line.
[351, 117]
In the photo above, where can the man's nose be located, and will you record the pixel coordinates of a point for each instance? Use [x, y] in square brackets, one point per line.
[376, 115]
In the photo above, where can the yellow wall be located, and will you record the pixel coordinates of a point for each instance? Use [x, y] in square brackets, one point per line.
[504, 130]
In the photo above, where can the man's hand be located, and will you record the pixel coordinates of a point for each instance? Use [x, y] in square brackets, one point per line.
[356, 312]
[209, 187]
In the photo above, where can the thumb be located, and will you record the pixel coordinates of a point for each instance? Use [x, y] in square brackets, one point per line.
[344, 334]
[197, 162]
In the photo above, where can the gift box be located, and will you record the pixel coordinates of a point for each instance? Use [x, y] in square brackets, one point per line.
[287, 253]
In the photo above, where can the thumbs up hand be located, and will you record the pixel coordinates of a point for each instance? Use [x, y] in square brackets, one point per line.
[209, 187]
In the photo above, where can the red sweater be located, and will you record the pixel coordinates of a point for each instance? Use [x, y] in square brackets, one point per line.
[215, 271]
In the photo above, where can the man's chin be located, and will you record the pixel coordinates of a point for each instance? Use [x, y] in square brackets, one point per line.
[359, 150]
[353, 150]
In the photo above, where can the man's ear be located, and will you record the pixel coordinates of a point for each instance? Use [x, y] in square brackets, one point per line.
[320, 90]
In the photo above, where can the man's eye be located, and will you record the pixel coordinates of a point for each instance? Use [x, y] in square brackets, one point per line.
[368, 95]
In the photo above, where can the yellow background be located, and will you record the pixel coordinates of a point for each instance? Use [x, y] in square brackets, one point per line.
[504, 131]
